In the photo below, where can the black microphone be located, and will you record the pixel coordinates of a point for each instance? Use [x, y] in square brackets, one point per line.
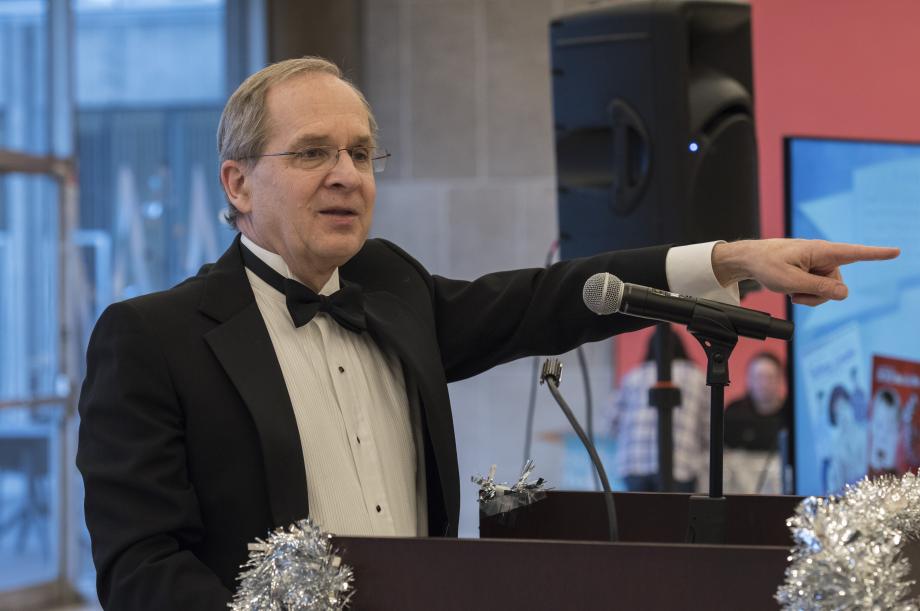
[606, 294]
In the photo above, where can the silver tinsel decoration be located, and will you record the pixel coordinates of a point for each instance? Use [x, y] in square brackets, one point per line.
[295, 569]
[499, 498]
[849, 550]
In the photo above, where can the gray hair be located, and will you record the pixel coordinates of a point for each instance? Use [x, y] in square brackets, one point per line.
[244, 123]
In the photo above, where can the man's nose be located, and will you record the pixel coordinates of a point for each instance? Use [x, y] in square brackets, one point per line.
[343, 172]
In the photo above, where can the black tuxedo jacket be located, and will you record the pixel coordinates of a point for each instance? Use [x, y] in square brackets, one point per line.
[188, 445]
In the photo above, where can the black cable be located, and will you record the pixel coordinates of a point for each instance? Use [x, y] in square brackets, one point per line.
[762, 478]
[589, 407]
[531, 408]
[599, 467]
[532, 404]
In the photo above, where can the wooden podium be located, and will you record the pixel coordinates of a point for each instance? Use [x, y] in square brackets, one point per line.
[551, 555]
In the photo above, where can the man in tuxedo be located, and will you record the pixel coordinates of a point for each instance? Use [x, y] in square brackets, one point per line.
[305, 372]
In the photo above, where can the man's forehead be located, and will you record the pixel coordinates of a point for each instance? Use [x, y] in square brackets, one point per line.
[309, 105]
[315, 92]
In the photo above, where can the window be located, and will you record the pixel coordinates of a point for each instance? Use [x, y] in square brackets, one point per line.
[149, 81]
[149, 88]
[32, 406]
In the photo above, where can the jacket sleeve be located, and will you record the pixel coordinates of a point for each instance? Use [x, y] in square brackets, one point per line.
[141, 509]
[508, 315]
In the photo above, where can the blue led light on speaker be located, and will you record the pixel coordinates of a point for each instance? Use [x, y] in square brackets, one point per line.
[694, 147]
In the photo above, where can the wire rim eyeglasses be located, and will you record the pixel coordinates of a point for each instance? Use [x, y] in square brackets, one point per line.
[367, 159]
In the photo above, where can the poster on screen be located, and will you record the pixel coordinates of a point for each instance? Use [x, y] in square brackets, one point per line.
[894, 420]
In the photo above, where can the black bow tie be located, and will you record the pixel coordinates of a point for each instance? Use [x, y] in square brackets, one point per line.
[346, 305]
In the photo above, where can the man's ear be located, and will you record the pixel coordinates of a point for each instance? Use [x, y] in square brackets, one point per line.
[233, 176]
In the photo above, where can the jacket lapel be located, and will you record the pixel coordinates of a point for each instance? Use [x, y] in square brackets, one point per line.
[392, 323]
[243, 347]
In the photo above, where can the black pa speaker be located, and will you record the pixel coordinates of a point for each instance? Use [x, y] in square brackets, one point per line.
[654, 125]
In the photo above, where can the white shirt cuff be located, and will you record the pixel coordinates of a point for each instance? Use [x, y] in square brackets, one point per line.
[689, 271]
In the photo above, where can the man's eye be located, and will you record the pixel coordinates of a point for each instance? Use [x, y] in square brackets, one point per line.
[313, 154]
[360, 154]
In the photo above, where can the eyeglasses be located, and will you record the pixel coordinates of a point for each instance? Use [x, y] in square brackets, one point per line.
[364, 158]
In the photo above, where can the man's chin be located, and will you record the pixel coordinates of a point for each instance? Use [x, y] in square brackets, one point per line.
[340, 251]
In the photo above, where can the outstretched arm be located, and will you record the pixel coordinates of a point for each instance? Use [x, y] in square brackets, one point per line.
[807, 270]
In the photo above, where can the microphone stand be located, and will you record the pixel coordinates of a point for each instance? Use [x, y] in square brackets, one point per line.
[552, 373]
[713, 329]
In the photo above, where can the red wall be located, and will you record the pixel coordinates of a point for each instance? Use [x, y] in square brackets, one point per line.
[843, 68]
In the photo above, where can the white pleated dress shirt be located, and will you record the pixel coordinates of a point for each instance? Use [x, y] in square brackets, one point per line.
[357, 431]
[359, 436]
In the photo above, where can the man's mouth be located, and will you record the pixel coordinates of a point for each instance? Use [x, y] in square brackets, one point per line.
[339, 212]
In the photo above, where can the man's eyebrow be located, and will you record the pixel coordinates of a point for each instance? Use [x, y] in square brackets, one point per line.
[363, 141]
[306, 140]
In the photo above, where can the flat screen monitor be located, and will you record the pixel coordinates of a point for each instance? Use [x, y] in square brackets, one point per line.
[855, 364]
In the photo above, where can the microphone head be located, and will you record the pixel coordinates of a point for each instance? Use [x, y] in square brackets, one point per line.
[603, 293]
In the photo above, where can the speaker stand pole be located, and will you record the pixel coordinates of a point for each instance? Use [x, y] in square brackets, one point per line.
[664, 396]
[718, 337]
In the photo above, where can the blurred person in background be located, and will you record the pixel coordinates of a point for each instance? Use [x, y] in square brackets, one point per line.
[753, 425]
[634, 423]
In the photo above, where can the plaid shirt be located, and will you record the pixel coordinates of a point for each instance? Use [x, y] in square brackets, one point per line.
[635, 425]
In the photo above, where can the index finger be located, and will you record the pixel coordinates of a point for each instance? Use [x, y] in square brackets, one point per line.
[840, 253]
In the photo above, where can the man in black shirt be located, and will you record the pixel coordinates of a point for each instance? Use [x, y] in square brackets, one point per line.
[754, 421]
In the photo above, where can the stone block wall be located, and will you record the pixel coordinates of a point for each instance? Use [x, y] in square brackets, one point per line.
[461, 90]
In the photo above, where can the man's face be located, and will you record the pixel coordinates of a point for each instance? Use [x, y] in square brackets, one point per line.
[315, 219]
[765, 383]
